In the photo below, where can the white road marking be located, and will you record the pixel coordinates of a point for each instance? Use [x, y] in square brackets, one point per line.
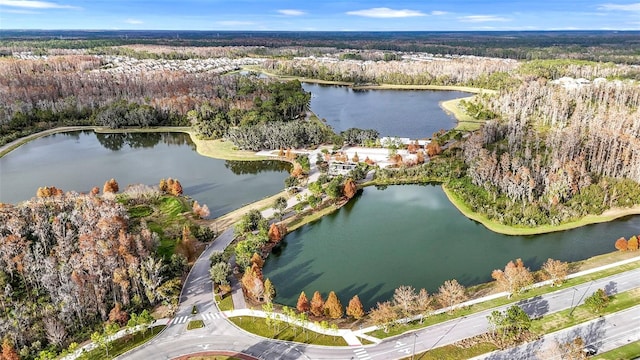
[180, 320]
[211, 316]
[361, 353]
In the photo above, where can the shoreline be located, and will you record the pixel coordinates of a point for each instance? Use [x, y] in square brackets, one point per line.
[224, 150]
[216, 149]
[607, 216]
[468, 89]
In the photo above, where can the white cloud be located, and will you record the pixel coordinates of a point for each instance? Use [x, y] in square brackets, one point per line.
[386, 13]
[635, 7]
[134, 21]
[18, 11]
[234, 23]
[438, 13]
[291, 12]
[482, 18]
[29, 4]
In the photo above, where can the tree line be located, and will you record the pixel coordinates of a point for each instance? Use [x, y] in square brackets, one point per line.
[555, 153]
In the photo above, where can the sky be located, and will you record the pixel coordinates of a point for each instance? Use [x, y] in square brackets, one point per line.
[321, 15]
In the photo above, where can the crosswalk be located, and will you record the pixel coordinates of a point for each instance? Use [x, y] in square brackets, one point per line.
[180, 320]
[211, 316]
[361, 353]
[205, 316]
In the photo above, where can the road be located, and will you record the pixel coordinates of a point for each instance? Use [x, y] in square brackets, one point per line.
[219, 334]
[605, 333]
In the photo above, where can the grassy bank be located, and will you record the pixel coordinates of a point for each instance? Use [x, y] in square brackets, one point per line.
[629, 351]
[494, 226]
[223, 222]
[122, 345]
[586, 264]
[466, 122]
[287, 332]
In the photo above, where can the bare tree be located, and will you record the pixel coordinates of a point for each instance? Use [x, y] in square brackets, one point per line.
[451, 293]
[556, 271]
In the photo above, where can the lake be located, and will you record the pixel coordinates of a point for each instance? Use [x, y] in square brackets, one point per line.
[80, 160]
[403, 113]
[412, 235]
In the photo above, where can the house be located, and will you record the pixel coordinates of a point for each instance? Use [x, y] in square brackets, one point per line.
[341, 168]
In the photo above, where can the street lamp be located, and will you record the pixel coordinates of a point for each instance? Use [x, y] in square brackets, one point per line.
[573, 295]
[413, 355]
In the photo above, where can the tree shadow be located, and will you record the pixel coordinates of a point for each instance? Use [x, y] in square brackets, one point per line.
[535, 307]
[611, 288]
[527, 351]
[593, 334]
[200, 188]
[273, 349]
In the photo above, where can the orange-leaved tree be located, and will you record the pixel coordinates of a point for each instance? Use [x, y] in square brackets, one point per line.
[555, 270]
[349, 188]
[252, 283]
[8, 352]
[110, 186]
[514, 277]
[257, 259]
[303, 303]
[333, 307]
[276, 232]
[317, 304]
[354, 308]
[621, 244]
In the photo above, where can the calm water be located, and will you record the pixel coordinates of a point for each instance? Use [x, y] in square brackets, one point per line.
[80, 160]
[402, 113]
[412, 235]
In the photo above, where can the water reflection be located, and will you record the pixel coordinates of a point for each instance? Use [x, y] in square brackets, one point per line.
[116, 141]
[256, 167]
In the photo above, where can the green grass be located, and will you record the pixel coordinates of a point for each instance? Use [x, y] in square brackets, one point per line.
[225, 303]
[452, 352]
[258, 326]
[439, 318]
[466, 122]
[224, 150]
[629, 351]
[122, 345]
[297, 222]
[562, 319]
[172, 206]
[195, 324]
[140, 211]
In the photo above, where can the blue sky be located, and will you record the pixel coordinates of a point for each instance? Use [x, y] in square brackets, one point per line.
[321, 15]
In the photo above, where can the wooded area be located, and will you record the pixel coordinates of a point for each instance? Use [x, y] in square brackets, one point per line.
[68, 259]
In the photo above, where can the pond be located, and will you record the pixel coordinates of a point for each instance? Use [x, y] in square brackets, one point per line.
[403, 113]
[412, 235]
[80, 160]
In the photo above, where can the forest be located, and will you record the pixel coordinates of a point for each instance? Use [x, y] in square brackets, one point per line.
[615, 46]
[69, 261]
[555, 153]
[74, 90]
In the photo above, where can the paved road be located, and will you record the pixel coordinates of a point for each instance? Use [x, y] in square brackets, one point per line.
[605, 333]
[221, 335]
